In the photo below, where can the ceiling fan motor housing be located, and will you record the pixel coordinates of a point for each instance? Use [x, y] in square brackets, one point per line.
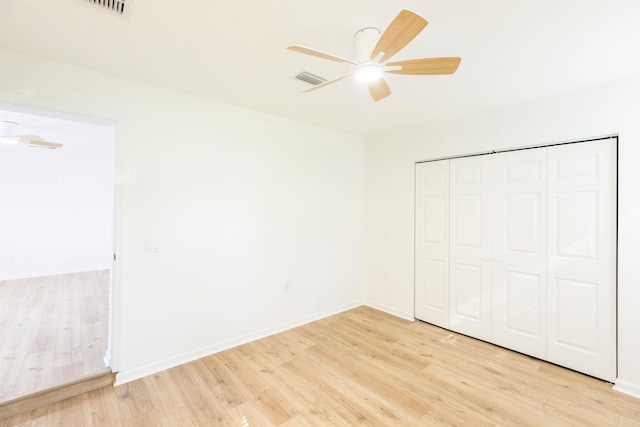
[365, 41]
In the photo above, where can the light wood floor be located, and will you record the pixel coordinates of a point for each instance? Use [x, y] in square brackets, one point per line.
[360, 367]
[53, 330]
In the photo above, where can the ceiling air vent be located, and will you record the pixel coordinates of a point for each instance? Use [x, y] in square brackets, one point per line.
[113, 5]
[310, 78]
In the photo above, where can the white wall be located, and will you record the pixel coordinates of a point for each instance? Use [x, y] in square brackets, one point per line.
[258, 218]
[56, 206]
[606, 109]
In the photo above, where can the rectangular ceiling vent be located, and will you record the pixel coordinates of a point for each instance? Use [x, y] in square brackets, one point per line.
[310, 78]
[112, 5]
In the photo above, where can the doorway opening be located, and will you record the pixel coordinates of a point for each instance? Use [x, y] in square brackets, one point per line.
[56, 249]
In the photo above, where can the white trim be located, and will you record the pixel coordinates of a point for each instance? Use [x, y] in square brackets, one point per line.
[390, 310]
[56, 272]
[524, 147]
[152, 368]
[73, 117]
[627, 388]
[107, 359]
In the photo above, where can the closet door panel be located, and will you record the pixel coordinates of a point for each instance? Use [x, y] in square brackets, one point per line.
[432, 243]
[519, 251]
[470, 267]
[582, 257]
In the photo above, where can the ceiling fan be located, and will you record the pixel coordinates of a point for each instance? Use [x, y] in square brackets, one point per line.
[8, 136]
[370, 67]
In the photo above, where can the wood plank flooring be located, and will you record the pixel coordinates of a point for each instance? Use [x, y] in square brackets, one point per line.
[360, 367]
[53, 330]
[55, 394]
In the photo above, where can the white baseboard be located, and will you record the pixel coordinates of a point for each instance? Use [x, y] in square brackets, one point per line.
[627, 388]
[107, 359]
[54, 272]
[390, 310]
[152, 368]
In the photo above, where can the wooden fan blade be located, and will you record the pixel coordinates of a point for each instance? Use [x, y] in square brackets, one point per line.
[319, 54]
[30, 138]
[37, 141]
[45, 144]
[379, 89]
[426, 66]
[398, 34]
[328, 82]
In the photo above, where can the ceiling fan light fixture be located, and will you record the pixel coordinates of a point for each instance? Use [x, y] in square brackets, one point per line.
[368, 72]
[9, 140]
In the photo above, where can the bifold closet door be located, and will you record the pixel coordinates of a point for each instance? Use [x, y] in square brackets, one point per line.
[519, 251]
[432, 242]
[581, 247]
[470, 254]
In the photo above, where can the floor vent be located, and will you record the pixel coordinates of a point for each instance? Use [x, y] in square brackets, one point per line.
[113, 5]
[310, 78]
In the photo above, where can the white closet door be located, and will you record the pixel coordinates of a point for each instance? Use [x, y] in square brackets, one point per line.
[432, 243]
[519, 251]
[470, 266]
[582, 257]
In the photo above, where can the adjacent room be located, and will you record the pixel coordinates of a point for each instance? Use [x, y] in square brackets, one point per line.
[56, 251]
[452, 241]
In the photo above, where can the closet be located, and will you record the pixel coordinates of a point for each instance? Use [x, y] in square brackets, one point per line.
[518, 248]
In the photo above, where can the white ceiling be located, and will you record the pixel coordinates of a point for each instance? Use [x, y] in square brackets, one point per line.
[233, 51]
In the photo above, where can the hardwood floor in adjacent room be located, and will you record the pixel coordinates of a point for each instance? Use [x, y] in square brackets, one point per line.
[53, 330]
[360, 367]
